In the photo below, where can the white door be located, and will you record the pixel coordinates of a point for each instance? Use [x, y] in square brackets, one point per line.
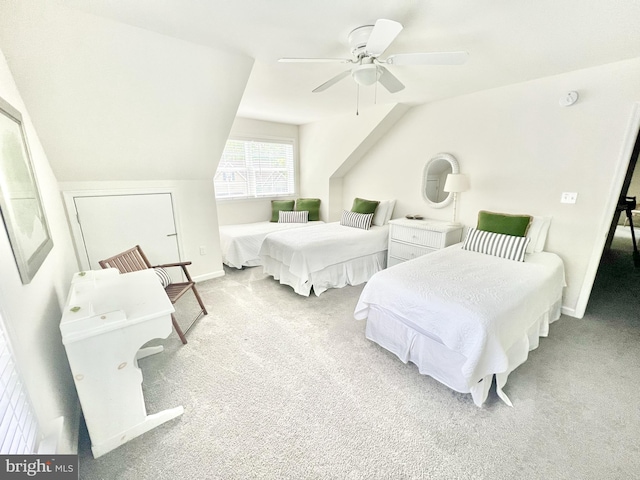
[111, 224]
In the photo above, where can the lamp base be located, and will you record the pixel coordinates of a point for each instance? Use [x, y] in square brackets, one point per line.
[455, 206]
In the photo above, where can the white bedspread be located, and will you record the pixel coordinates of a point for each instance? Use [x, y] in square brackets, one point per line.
[475, 304]
[312, 249]
[241, 244]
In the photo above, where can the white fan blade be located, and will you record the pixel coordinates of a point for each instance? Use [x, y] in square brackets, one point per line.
[315, 60]
[436, 58]
[389, 81]
[384, 32]
[332, 81]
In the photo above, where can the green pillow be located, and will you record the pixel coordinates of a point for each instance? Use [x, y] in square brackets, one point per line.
[516, 225]
[312, 205]
[360, 205]
[277, 205]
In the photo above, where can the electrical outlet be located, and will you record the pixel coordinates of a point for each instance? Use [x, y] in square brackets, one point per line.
[569, 197]
[203, 250]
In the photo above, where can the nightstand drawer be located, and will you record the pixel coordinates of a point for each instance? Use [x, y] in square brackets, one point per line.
[391, 261]
[407, 252]
[410, 239]
[427, 238]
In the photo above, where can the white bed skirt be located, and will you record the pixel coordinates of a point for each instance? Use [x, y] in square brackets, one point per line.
[353, 272]
[433, 358]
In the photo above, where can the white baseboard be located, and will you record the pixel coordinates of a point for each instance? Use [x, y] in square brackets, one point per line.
[52, 441]
[52, 437]
[61, 435]
[209, 276]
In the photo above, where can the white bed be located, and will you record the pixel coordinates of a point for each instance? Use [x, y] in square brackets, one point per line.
[324, 256]
[463, 317]
[241, 244]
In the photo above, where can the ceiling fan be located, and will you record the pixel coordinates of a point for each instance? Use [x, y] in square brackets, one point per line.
[367, 43]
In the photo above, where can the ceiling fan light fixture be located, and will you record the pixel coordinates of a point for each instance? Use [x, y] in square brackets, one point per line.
[366, 75]
[367, 43]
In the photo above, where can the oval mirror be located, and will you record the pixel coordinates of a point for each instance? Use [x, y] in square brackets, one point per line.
[433, 179]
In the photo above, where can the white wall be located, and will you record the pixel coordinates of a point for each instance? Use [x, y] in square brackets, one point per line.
[32, 312]
[521, 150]
[329, 148]
[232, 212]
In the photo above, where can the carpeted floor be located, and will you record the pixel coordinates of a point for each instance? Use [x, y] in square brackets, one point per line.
[279, 386]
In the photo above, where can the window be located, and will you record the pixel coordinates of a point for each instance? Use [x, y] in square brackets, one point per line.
[18, 425]
[255, 169]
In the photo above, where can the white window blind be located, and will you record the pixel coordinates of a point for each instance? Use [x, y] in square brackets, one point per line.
[18, 425]
[255, 169]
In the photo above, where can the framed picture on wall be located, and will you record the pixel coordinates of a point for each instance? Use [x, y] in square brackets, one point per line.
[20, 203]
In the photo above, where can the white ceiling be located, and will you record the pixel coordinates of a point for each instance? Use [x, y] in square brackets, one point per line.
[509, 41]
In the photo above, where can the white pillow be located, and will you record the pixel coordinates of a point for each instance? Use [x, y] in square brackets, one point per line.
[496, 244]
[390, 207]
[537, 232]
[357, 220]
[383, 212]
[299, 216]
[163, 276]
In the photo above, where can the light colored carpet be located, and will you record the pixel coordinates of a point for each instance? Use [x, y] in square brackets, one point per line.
[279, 386]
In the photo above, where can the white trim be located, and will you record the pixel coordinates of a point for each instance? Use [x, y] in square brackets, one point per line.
[571, 312]
[620, 172]
[455, 168]
[72, 214]
[270, 138]
[239, 200]
[208, 276]
[52, 440]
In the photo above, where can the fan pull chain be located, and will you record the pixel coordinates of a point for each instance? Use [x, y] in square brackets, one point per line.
[357, 99]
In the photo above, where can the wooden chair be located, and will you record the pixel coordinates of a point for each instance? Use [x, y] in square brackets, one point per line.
[134, 259]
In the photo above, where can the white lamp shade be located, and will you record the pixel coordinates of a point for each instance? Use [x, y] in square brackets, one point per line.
[456, 182]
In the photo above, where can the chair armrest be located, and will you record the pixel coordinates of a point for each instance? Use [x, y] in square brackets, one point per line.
[183, 265]
[179, 264]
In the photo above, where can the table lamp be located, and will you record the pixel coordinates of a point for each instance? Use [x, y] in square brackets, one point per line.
[456, 183]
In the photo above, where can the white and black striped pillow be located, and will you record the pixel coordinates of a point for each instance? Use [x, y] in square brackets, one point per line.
[301, 216]
[163, 276]
[357, 220]
[497, 244]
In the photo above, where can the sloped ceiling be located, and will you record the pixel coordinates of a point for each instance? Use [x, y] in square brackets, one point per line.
[111, 101]
[508, 42]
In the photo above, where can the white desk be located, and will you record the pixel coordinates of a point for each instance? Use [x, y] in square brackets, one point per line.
[106, 320]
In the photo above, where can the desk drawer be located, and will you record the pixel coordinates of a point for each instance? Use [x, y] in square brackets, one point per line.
[407, 252]
[418, 236]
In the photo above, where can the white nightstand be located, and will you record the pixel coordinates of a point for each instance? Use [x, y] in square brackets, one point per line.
[413, 238]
